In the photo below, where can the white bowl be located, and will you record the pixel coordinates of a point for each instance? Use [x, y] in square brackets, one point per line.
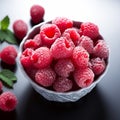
[50, 95]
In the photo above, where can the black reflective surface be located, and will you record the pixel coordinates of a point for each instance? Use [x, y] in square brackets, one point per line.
[103, 103]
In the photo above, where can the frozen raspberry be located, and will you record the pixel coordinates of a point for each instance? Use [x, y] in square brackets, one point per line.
[26, 57]
[98, 65]
[49, 33]
[45, 77]
[41, 57]
[20, 29]
[63, 23]
[101, 49]
[80, 57]
[62, 84]
[9, 54]
[87, 43]
[73, 34]
[37, 13]
[62, 48]
[30, 43]
[84, 77]
[37, 39]
[64, 67]
[1, 85]
[8, 101]
[89, 29]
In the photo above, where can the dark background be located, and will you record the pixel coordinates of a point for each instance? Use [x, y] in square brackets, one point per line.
[103, 103]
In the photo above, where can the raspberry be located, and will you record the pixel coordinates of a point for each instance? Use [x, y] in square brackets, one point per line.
[49, 33]
[80, 57]
[8, 101]
[64, 67]
[20, 29]
[41, 57]
[89, 29]
[62, 48]
[63, 23]
[98, 65]
[73, 34]
[84, 77]
[37, 13]
[87, 44]
[101, 49]
[37, 39]
[30, 43]
[26, 57]
[62, 84]
[9, 54]
[1, 85]
[45, 77]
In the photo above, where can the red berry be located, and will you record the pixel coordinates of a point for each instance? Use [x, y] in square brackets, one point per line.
[20, 29]
[37, 13]
[41, 57]
[9, 54]
[62, 48]
[1, 85]
[73, 34]
[63, 23]
[84, 77]
[62, 84]
[8, 101]
[101, 49]
[49, 33]
[87, 44]
[98, 65]
[26, 57]
[80, 57]
[37, 39]
[89, 29]
[45, 77]
[64, 67]
[30, 43]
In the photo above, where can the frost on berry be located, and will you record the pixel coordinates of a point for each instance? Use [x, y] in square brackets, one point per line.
[89, 29]
[80, 57]
[20, 29]
[62, 48]
[45, 77]
[37, 13]
[84, 77]
[63, 23]
[37, 39]
[62, 84]
[101, 49]
[8, 101]
[87, 44]
[9, 54]
[49, 33]
[41, 57]
[25, 58]
[64, 67]
[98, 65]
[73, 34]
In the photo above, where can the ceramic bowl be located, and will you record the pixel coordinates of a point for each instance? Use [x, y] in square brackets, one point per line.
[51, 95]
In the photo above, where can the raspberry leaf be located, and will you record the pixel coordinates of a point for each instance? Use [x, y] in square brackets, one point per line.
[5, 23]
[8, 77]
[7, 35]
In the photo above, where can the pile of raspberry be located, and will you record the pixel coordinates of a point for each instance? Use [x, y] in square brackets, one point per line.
[65, 56]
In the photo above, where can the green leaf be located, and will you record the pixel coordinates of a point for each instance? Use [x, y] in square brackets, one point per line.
[8, 77]
[5, 23]
[7, 35]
